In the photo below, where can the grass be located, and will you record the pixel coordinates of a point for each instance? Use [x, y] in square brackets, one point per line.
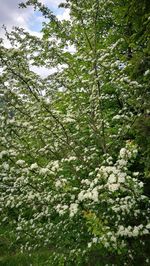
[39, 258]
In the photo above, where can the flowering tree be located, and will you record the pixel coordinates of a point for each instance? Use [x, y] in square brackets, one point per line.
[73, 164]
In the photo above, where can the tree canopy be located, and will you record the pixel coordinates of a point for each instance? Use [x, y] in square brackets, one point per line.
[75, 146]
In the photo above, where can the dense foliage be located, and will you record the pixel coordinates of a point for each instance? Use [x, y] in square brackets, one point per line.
[75, 146]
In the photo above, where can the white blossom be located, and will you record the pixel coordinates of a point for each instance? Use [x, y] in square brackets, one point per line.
[33, 166]
[112, 179]
[20, 162]
[73, 209]
[3, 153]
[113, 187]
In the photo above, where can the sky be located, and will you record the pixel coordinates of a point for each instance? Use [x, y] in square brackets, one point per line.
[11, 15]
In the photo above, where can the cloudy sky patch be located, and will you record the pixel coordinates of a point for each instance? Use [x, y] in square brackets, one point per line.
[11, 15]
